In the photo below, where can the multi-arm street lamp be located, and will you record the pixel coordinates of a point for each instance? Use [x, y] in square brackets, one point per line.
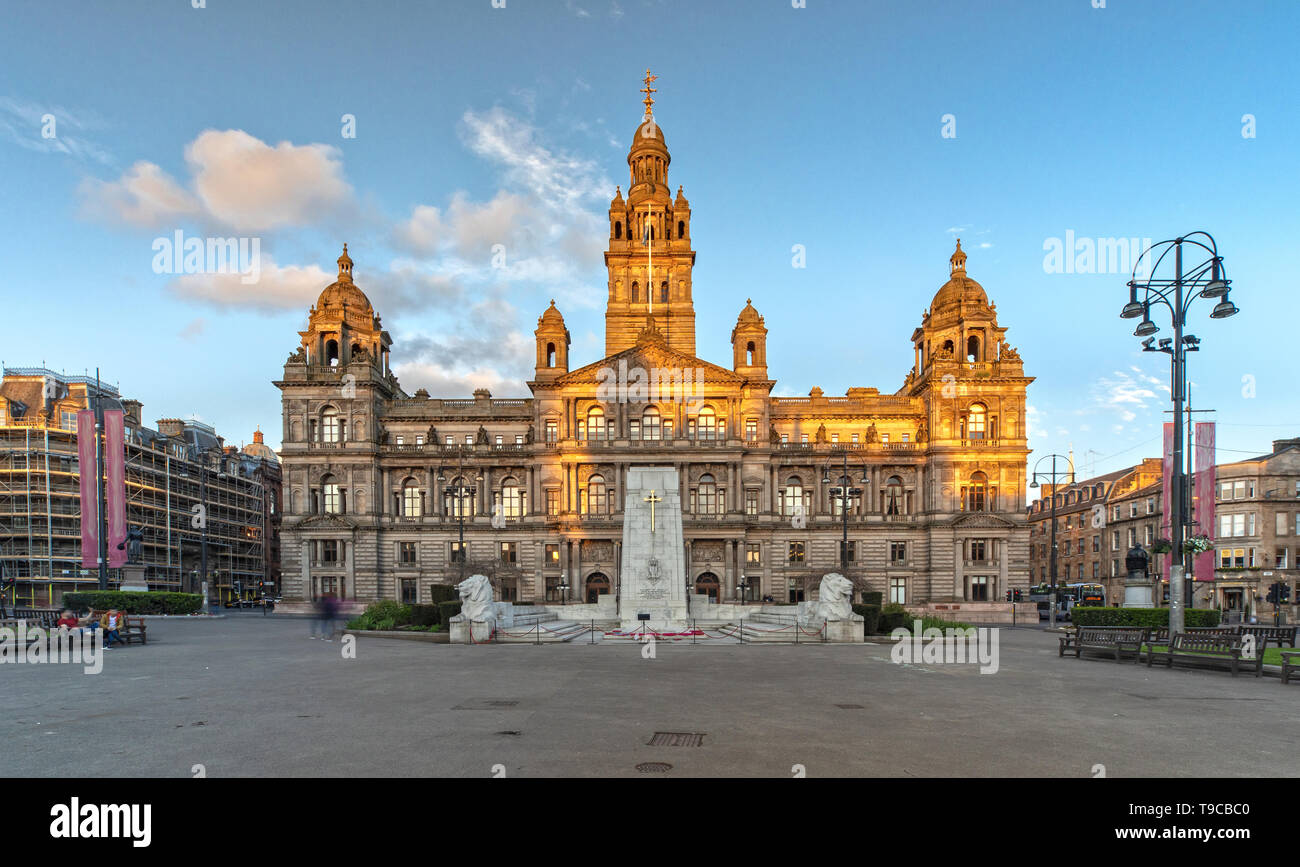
[845, 494]
[458, 491]
[1205, 280]
[1055, 477]
[200, 456]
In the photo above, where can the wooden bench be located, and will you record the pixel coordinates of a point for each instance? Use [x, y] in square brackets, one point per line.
[1111, 639]
[1280, 635]
[46, 618]
[1205, 647]
[1290, 663]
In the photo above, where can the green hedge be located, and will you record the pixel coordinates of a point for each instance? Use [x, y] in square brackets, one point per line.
[442, 593]
[134, 603]
[870, 616]
[449, 609]
[425, 615]
[1149, 617]
[892, 616]
[873, 597]
[383, 615]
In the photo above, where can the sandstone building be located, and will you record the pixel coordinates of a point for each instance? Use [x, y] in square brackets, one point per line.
[382, 486]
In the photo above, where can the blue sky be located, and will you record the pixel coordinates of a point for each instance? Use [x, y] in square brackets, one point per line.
[819, 126]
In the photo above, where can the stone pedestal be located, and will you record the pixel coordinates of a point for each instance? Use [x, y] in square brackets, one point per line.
[1138, 591]
[133, 579]
[653, 569]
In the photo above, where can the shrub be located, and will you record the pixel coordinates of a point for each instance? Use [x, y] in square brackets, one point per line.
[425, 615]
[135, 603]
[870, 616]
[1148, 617]
[934, 623]
[442, 593]
[873, 597]
[385, 614]
[892, 616]
[449, 609]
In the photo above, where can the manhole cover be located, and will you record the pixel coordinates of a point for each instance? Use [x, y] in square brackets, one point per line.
[849, 707]
[654, 767]
[485, 704]
[677, 739]
[516, 734]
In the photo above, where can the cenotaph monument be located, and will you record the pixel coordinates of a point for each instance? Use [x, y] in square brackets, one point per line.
[652, 587]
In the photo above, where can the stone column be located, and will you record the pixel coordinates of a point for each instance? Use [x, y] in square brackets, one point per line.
[1002, 565]
[578, 590]
[729, 559]
[958, 569]
[539, 580]
[564, 564]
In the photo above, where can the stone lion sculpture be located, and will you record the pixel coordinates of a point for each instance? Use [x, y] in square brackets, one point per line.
[476, 598]
[835, 599]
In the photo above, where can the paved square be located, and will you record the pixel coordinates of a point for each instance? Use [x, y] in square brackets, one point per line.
[253, 696]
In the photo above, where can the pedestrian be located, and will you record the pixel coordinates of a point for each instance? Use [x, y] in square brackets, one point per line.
[325, 609]
[111, 622]
[68, 619]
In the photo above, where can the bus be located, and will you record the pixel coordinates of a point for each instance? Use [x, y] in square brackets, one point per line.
[1090, 595]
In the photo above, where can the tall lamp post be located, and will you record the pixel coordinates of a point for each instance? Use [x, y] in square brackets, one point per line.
[458, 491]
[1177, 292]
[1055, 477]
[845, 494]
[201, 456]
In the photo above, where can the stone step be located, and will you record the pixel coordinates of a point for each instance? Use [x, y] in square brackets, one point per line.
[541, 633]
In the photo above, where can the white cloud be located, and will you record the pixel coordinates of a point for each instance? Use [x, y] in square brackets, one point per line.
[289, 287]
[251, 185]
[144, 196]
[25, 124]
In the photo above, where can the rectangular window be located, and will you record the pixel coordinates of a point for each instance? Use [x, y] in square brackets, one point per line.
[634, 429]
[552, 431]
[1114, 539]
[519, 439]
[884, 438]
[751, 429]
[1280, 555]
[803, 439]
[905, 437]
[1148, 535]
[409, 593]
[1133, 509]
[510, 552]
[552, 502]
[1132, 537]
[898, 590]
[399, 440]
[1096, 544]
[1151, 505]
[329, 551]
[451, 440]
[785, 438]
[456, 552]
[1281, 524]
[1114, 568]
[897, 552]
[855, 438]
[668, 428]
[1239, 525]
[852, 551]
[835, 437]
[499, 440]
[979, 588]
[1250, 524]
[979, 549]
[1096, 569]
[751, 502]
[753, 554]
[406, 553]
[1239, 489]
[469, 439]
[796, 552]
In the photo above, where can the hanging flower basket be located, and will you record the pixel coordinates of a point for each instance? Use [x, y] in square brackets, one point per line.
[1162, 546]
[1199, 544]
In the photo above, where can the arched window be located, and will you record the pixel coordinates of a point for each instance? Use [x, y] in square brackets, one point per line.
[460, 498]
[596, 504]
[894, 496]
[947, 347]
[331, 496]
[550, 355]
[412, 499]
[663, 292]
[618, 231]
[792, 497]
[706, 424]
[972, 348]
[749, 353]
[332, 353]
[650, 423]
[976, 421]
[512, 498]
[330, 426]
[975, 495]
[681, 228]
[708, 495]
[596, 423]
[636, 292]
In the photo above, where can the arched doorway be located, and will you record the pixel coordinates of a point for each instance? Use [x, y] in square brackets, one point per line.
[597, 585]
[707, 585]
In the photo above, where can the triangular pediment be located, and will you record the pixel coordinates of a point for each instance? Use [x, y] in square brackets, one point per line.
[327, 522]
[982, 519]
[650, 356]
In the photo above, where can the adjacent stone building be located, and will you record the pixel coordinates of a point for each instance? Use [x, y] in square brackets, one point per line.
[381, 486]
[168, 471]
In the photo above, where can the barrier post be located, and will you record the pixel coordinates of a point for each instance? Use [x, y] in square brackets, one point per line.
[593, 631]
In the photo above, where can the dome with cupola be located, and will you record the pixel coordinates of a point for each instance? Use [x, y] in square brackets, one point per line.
[959, 289]
[343, 292]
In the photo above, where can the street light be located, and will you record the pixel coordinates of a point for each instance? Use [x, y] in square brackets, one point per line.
[563, 587]
[458, 492]
[845, 494]
[741, 587]
[1205, 280]
[1054, 477]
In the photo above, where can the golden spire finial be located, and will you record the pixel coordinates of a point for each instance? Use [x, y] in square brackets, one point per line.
[647, 90]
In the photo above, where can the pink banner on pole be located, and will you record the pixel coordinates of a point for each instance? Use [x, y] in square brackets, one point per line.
[89, 496]
[1166, 488]
[115, 486]
[1203, 564]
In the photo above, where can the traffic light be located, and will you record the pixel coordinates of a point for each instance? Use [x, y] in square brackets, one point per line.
[1285, 594]
[1008, 595]
[1017, 595]
[1272, 594]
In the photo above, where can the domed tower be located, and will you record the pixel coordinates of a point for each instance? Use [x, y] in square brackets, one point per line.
[649, 257]
[342, 329]
[552, 345]
[749, 343]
